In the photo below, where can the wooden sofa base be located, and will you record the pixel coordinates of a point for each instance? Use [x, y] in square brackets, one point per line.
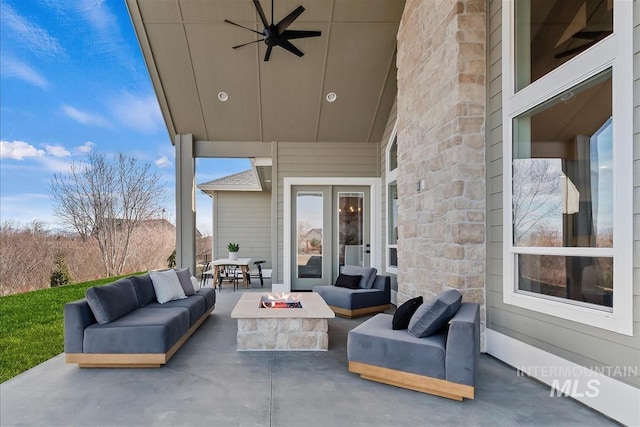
[146, 360]
[411, 381]
[350, 314]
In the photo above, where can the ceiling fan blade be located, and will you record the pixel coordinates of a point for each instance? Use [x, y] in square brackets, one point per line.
[261, 13]
[288, 20]
[268, 54]
[591, 35]
[293, 34]
[290, 47]
[575, 50]
[244, 44]
[241, 26]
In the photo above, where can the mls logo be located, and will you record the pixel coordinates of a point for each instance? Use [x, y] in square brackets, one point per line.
[573, 389]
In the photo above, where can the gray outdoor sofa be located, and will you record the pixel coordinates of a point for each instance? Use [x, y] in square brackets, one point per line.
[444, 363]
[135, 330]
[373, 295]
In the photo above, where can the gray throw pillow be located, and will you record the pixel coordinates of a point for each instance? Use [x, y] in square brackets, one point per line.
[368, 274]
[184, 276]
[433, 315]
[110, 302]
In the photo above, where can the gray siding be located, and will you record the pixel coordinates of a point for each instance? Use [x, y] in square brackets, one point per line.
[296, 159]
[581, 344]
[243, 217]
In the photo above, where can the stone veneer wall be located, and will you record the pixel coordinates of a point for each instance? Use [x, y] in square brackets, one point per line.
[441, 117]
[283, 334]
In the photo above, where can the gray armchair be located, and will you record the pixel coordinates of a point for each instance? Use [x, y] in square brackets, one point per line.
[352, 303]
[444, 364]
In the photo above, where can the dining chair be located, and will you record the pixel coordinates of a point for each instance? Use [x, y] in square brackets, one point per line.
[256, 272]
[230, 274]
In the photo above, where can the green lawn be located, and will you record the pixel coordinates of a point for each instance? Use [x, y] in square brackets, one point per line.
[31, 326]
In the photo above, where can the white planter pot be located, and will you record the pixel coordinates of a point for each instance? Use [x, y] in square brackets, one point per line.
[233, 256]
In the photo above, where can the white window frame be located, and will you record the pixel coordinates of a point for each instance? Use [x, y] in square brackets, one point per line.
[391, 176]
[615, 52]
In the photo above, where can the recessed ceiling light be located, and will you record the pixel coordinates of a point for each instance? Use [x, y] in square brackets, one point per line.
[331, 97]
[222, 96]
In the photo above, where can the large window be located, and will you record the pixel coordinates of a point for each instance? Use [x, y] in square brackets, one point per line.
[567, 129]
[392, 203]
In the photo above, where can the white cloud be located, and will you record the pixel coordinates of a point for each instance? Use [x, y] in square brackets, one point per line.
[85, 148]
[139, 113]
[84, 117]
[18, 150]
[56, 150]
[30, 34]
[54, 165]
[97, 13]
[163, 162]
[14, 68]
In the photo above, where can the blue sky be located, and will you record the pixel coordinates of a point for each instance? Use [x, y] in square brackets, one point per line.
[72, 81]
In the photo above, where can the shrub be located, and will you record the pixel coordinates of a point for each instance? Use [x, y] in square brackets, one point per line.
[60, 274]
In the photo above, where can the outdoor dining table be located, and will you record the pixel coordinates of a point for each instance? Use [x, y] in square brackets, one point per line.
[243, 263]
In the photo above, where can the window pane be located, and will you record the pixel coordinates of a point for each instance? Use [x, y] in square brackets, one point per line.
[562, 188]
[309, 234]
[351, 230]
[551, 32]
[584, 279]
[393, 257]
[393, 214]
[393, 154]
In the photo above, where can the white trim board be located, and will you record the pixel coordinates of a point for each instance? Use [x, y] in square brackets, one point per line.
[376, 222]
[613, 398]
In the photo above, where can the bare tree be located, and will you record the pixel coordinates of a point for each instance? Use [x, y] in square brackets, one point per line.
[106, 198]
[536, 196]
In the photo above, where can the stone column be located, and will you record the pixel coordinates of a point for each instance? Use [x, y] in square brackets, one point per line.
[441, 142]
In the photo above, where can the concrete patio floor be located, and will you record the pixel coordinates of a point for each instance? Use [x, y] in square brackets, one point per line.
[208, 383]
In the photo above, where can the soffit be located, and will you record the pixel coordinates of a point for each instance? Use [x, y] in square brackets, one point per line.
[187, 47]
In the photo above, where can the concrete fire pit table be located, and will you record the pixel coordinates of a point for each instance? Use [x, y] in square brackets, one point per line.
[282, 329]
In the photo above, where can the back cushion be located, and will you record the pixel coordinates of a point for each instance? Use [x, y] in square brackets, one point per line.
[433, 315]
[368, 274]
[110, 302]
[144, 289]
[184, 276]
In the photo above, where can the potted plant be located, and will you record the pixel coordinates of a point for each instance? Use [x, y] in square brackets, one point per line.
[233, 249]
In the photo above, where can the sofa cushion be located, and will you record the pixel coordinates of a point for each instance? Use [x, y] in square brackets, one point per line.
[368, 274]
[195, 304]
[166, 285]
[184, 277]
[351, 299]
[145, 330]
[144, 289]
[403, 314]
[110, 302]
[433, 315]
[346, 281]
[374, 342]
[209, 295]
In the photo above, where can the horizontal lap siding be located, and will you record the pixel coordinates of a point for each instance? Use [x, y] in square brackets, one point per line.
[321, 159]
[576, 342]
[244, 217]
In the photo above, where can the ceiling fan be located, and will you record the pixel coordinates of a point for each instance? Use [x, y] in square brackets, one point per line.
[592, 35]
[277, 34]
